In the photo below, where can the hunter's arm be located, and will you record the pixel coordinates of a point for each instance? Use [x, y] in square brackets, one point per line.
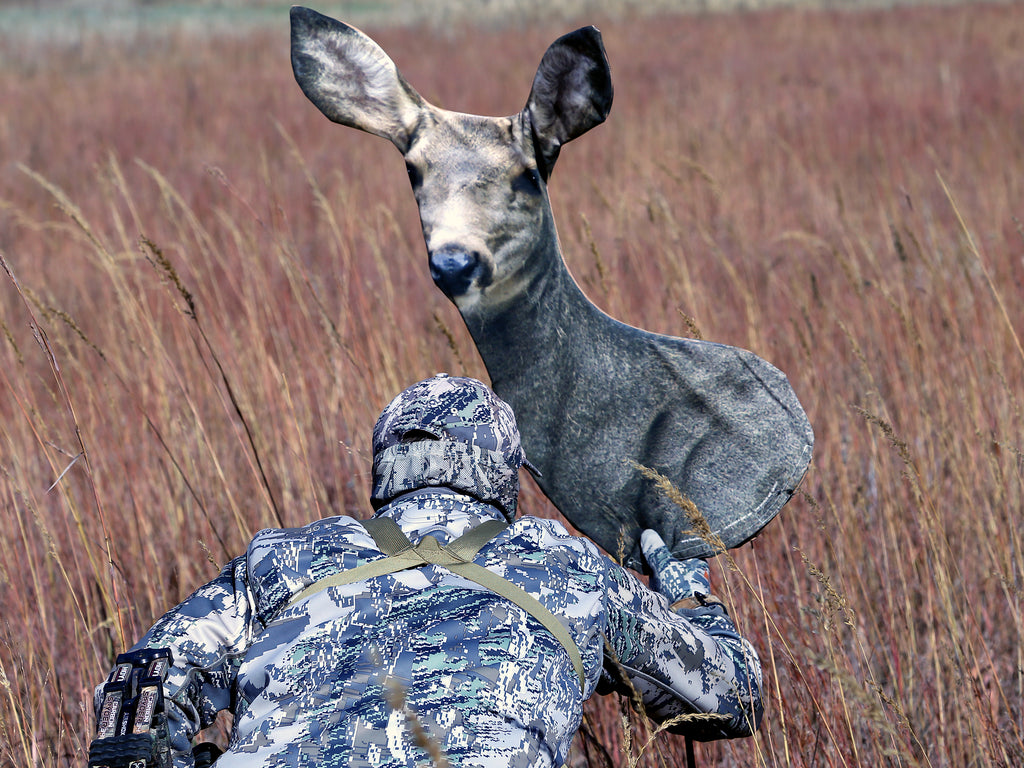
[682, 661]
[207, 634]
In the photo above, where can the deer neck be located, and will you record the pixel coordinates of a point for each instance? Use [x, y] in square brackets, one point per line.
[542, 329]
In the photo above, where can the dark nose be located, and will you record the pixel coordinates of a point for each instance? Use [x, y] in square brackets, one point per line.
[453, 269]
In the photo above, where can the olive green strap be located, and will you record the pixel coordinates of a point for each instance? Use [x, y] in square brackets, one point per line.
[528, 603]
[390, 539]
[456, 557]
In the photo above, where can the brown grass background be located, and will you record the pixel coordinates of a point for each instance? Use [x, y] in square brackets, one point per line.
[213, 291]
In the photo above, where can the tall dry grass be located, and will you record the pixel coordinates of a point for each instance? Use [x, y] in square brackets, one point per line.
[213, 291]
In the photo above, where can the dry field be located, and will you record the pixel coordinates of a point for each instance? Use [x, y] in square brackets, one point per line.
[211, 291]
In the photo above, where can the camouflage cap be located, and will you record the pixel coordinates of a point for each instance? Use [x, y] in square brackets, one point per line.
[448, 431]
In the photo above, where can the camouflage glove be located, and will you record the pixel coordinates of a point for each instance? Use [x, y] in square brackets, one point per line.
[686, 583]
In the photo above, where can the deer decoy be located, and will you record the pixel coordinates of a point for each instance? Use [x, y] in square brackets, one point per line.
[594, 397]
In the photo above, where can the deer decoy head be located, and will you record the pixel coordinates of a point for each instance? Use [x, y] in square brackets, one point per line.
[594, 398]
[480, 182]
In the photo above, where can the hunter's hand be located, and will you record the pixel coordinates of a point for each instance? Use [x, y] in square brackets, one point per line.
[675, 579]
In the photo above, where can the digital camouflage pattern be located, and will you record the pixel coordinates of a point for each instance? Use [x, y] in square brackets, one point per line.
[490, 685]
[338, 678]
[480, 453]
[675, 579]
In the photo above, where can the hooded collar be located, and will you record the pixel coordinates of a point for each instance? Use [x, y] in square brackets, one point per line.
[439, 512]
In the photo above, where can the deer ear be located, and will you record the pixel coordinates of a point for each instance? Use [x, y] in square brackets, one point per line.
[350, 78]
[572, 92]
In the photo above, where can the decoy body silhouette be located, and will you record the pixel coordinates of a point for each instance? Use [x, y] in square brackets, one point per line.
[594, 397]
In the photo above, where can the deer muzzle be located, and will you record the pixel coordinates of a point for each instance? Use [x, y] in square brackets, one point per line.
[455, 269]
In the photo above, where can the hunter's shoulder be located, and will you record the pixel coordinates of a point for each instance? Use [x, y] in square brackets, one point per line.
[547, 534]
[340, 526]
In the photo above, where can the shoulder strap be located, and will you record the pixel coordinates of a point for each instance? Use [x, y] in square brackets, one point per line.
[457, 556]
[390, 539]
[473, 540]
[386, 534]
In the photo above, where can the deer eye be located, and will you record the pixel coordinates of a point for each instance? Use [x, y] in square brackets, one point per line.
[415, 177]
[528, 182]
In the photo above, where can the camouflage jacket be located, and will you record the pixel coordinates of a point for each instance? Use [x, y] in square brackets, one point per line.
[381, 672]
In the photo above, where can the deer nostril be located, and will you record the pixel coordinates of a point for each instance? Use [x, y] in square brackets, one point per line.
[453, 269]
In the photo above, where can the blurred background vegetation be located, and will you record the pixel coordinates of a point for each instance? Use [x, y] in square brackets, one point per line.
[212, 291]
